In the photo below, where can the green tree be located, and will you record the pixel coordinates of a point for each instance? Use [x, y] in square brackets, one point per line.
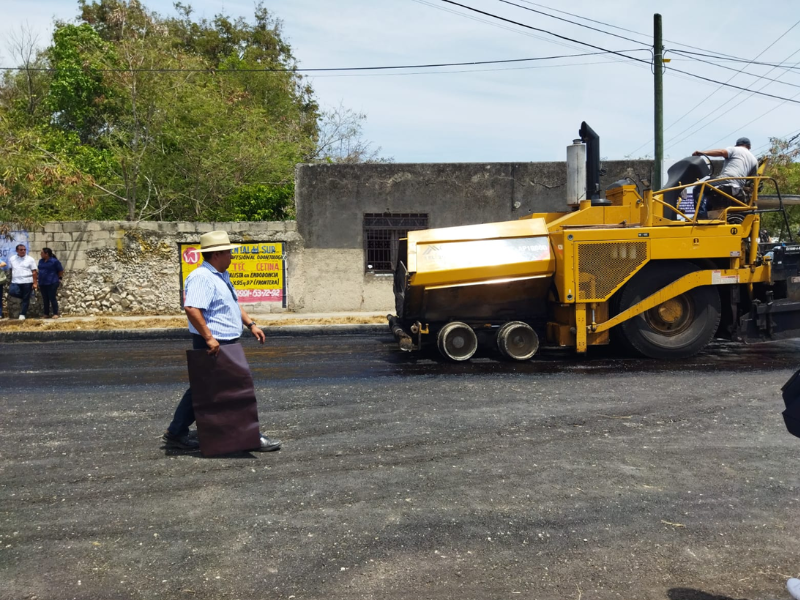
[784, 168]
[144, 116]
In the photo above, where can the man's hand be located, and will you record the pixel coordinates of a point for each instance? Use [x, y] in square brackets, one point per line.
[213, 346]
[697, 153]
[258, 334]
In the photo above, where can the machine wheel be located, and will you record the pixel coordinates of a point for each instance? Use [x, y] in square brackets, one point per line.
[457, 341]
[677, 328]
[517, 340]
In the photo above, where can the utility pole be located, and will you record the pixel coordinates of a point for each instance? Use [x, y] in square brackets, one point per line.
[658, 97]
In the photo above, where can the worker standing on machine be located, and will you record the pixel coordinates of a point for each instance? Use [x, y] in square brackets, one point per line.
[739, 162]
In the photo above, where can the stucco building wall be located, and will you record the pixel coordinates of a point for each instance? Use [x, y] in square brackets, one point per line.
[118, 267]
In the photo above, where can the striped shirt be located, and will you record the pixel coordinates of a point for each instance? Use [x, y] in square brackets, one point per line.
[213, 293]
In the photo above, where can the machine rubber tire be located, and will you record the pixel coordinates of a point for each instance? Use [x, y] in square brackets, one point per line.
[457, 341]
[517, 340]
[678, 328]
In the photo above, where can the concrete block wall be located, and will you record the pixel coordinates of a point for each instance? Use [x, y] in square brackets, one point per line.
[120, 267]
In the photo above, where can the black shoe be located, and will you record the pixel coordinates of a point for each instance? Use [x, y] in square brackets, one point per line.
[192, 434]
[182, 442]
[268, 445]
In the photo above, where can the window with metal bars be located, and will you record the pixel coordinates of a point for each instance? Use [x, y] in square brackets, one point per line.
[382, 234]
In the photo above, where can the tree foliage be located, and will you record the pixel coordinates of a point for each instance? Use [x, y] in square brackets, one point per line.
[128, 114]
[784, 168]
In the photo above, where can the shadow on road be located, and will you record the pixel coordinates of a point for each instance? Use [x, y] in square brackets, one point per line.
[692, 594]
[196, 454]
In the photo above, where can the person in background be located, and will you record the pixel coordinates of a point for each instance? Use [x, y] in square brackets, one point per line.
[739, 162]
[50, 274]
[25, 274]
[3, 279]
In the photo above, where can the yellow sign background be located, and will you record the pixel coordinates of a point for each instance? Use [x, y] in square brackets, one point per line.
[257, 270]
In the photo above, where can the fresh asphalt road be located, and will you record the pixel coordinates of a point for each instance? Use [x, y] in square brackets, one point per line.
[401, 476]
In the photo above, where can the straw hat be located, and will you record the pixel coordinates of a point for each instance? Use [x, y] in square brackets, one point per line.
[214, 241]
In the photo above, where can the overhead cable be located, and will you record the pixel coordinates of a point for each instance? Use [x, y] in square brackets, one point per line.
[738, 129]
[638, 60]
[725, 58]
[719, 115]
[622, 37]
[726, 83]
[646, 35]
[557, 35]
[493, 23]
[330, 69]
[743, 72]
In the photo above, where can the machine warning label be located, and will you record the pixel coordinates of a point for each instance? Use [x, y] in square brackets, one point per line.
[717, 278]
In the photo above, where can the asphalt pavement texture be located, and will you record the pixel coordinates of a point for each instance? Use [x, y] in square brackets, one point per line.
[401, 476]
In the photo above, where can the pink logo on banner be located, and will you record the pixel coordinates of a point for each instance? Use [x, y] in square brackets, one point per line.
[191, 256]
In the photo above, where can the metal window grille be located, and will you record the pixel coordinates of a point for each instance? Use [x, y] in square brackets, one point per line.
[382, 235]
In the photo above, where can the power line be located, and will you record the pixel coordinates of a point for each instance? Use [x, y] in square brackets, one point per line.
[622, 37]
[731, 59]
[563, 37]
[333, 69]
[405, 74]
[729, 56]
[691, 110]
[638, 60]
[742, 71]
[753, 92]
[788, 136]
[729, 135]
[493, 23]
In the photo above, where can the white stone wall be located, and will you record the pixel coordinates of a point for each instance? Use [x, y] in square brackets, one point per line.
[119, 267]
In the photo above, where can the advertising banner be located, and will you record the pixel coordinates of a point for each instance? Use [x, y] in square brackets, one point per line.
[258, 270]
[686, 203]
[8, 245]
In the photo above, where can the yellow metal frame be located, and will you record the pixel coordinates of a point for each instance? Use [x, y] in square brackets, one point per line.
[683, 285]
[631, 217]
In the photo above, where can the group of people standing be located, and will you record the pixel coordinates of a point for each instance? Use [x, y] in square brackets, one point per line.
[28, 276]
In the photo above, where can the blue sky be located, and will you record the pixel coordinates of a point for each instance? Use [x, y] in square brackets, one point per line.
[508, 113]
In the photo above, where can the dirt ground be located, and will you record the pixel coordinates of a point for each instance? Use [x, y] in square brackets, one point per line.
[160, 321]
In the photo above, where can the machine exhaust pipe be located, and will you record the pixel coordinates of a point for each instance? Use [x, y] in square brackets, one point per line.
[592, 141]
[576, 173]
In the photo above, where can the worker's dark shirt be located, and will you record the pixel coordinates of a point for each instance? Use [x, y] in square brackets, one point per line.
[49, 270]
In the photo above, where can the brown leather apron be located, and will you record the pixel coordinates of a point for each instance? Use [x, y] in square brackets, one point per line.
[224, 401]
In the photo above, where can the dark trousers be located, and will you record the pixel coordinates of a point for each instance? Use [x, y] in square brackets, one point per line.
[26, 289]
[184, 414]
[48, 297]
[712, 200]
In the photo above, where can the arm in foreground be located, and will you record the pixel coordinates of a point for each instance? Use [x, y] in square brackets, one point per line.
[720, 152]
[195, 316]
[254, 329]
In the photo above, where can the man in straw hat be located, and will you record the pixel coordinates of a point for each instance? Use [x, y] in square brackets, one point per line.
[215, 319]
